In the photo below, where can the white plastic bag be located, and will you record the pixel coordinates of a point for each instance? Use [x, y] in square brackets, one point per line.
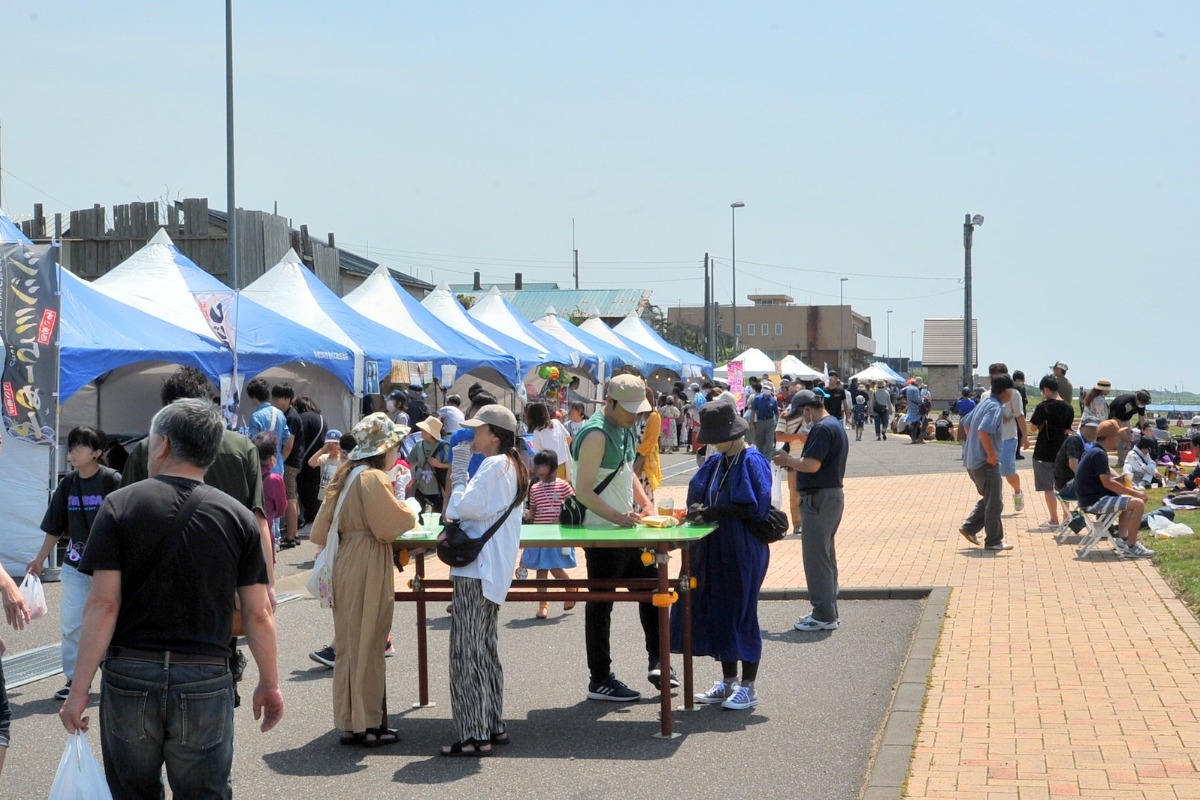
[35, 597]
[778, 478]
[79, 775]
[320, 580]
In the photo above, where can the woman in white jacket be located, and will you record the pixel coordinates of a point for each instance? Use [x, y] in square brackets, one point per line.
[1140, 464]
[476, 676]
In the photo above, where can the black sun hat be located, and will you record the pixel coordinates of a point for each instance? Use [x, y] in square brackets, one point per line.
[720, 422]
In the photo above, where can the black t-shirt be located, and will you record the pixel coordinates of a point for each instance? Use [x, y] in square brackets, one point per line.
[828, 444]
[74, 507]
[314, 434]
[1053, 419]
[1072, 447]
[296, 426]
[183, 600]
[835, 401]
[1123, 407]
[1087, 477]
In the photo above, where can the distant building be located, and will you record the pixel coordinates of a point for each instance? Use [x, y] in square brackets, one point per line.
[532, 299]
[942, 355]
[778, 327]
[91, 247]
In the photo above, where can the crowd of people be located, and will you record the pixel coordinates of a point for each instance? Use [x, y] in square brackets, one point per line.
[135, 536]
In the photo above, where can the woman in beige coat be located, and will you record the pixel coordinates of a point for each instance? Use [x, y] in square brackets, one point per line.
[363, 580]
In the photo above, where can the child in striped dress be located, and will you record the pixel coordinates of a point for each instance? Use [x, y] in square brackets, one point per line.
[546, 495]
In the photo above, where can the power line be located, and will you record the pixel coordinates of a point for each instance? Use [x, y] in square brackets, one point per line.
[842, 273]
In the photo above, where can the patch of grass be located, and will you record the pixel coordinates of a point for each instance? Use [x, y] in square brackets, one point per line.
[1178, 560]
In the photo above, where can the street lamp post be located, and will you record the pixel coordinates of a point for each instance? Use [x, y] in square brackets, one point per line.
[889, 339]
[912, 348]
[969, 225]
[733, 207]
[841, 323]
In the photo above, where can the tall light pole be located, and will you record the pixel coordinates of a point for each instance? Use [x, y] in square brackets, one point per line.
[969, 224]
[888, 357]
[912, 348]
[841, 323]
[733, 207]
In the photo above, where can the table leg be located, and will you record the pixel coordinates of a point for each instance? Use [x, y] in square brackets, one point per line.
[422, 641]
[664, 644]
[685, 597]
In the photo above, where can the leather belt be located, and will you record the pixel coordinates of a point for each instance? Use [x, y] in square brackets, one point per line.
[165, 657]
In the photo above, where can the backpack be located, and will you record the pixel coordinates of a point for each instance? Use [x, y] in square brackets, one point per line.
[427, 479]
[926, 406]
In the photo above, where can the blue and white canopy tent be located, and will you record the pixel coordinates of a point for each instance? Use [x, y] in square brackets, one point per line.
[609, 356]
[650, 361]
[161, 281]
[382, 299]
[497, 313]
[635, 329]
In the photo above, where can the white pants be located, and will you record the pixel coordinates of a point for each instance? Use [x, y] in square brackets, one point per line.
[75, 589]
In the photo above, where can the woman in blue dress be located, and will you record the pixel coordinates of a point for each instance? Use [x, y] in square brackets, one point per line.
[732, 487]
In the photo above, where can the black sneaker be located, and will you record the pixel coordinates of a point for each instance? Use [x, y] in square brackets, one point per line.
[654, 675]
[612, 689]
[62, 693]
[324, 656]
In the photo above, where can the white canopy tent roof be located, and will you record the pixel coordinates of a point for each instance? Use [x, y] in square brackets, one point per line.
[755, 362]
[790, 365]
[875, 374]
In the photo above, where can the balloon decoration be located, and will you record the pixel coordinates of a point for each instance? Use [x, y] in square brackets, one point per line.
[553, 393]
[544, 371]
[554, 373]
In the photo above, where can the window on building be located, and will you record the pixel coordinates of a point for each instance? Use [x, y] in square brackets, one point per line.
[750, 329]
[778, 329]
[737, 330]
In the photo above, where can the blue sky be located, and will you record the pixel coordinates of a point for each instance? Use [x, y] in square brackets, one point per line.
[450, 137]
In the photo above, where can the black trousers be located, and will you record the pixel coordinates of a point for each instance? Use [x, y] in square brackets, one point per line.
[308, 491]
[614, 563]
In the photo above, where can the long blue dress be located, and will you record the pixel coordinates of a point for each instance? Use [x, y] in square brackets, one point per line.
[729, 564]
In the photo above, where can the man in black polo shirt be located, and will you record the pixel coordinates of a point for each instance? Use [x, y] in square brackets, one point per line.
[819, 472]
[166, 556]
[1123, 408]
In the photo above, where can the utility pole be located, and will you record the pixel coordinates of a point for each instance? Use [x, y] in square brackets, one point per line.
[708, 342]
[969, 225]
[575, 250]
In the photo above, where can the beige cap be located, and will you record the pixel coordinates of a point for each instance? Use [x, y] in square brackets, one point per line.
[630, 392]
[495, 415]
[431, 425]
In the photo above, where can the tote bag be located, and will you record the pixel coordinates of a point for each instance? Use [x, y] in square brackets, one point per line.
[320, 580]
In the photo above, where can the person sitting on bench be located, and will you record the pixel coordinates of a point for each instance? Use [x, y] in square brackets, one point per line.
[1100, 492]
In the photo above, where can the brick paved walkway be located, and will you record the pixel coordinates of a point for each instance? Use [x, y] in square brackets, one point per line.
[1054, 677]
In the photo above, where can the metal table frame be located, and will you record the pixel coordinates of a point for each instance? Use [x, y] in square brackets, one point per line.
[662, 591]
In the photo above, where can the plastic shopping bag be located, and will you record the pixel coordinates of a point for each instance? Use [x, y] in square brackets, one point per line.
[35, 597]
[79, 775]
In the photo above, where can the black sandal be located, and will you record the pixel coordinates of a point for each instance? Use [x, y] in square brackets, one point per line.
[501, 739]
[382, 736]
[468, 747]
[351, 739]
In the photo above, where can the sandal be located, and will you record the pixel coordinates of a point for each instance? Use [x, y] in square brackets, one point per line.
[501, 739]
[468, 747]
[352, 739]
[382, 736]
[567, 606]
[543, 610]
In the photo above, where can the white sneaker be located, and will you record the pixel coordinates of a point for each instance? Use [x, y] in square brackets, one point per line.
[1121, 547]
[746, 696]
[1018, 501]
[1140, 550]
[809, 624]
[719, 693]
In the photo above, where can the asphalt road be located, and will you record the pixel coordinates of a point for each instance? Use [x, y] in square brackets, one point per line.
[824, 697]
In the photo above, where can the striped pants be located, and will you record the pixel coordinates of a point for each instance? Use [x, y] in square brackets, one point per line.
[476, 676]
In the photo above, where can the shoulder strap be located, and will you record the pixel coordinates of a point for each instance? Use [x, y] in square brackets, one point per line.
[495, 526]
[170, 540]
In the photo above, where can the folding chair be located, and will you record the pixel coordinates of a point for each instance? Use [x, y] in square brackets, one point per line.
[1097, 526]
[1069, 513]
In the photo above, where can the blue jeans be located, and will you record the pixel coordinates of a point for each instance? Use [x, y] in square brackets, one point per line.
[75, 589]
[182, 716]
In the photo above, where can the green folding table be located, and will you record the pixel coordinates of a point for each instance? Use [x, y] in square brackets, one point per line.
[662, 591]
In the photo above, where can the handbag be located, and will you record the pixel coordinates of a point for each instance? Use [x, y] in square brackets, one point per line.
[572, 513]
[320, 580]
[456, 548]
[771, 529]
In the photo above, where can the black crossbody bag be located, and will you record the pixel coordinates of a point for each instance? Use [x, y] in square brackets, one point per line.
[457, 549]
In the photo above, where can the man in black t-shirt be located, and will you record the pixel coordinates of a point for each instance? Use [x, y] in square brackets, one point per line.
[166, 556]
[819, 473]
[835, 397]
[1067, 459]
[294, 448]
[1123, 408]
[1053, 419]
